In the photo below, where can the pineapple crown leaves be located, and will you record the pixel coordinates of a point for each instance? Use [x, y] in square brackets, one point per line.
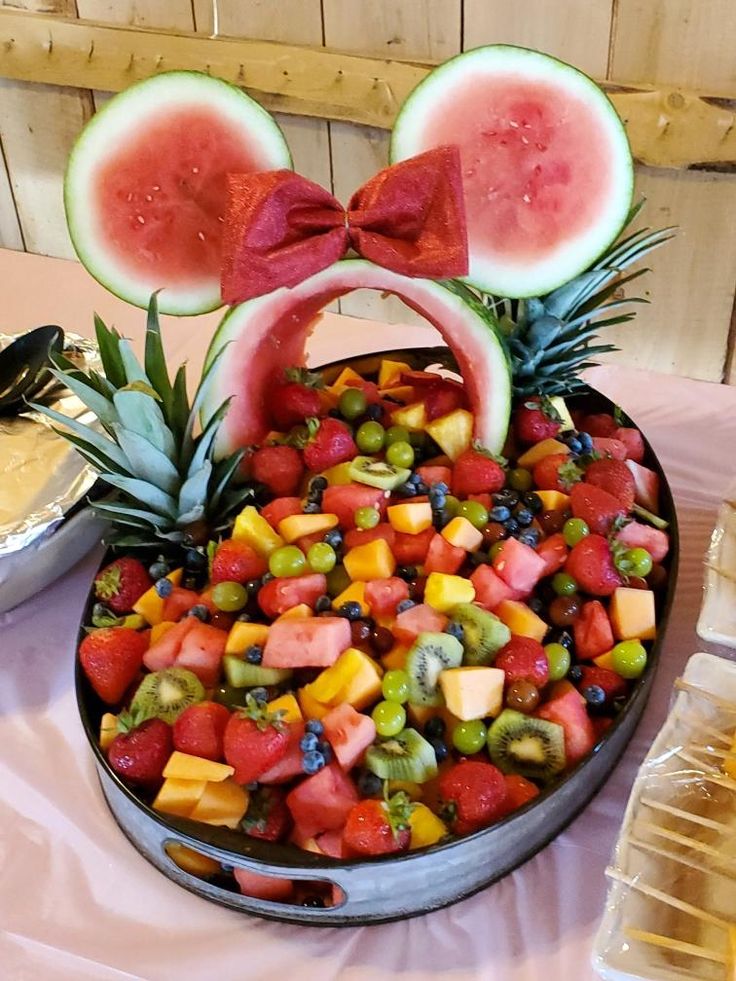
[258, 712]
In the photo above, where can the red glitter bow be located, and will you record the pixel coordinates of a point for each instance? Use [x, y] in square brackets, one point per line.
[282, 228]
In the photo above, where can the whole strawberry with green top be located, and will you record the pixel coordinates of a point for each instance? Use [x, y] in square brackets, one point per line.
[111, 658]
[141, 749]
[122, 583]
[477, 471]
[379, 827]
[536, 419]
[330, 443]
[296, 398]
[255, 740]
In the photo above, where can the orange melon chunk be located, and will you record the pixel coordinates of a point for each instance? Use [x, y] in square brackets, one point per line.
[411, 518]
[298, 525]
[521, 620]
[553, 500]
[222, 803]
[191, 861]
[243, 635]
[540, 450]
[632, 614]
[179, 797]
[462, 534]
[374, 560]
[473, 692]
[184, 766]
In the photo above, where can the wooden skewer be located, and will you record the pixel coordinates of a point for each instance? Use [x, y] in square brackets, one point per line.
[691, 721]
[722, 754]
[720, 571]
[681, 946]
[707, 772]
[704, 693]
[688, 816]
[683, 859]
[686, 840]
[668, 900]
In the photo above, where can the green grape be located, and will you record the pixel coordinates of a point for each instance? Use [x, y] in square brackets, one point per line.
[397, 434]
[370, 437]
[366, 518]
[469, 737]
[574, 530]
[390, 718]
[229, 596]
[337, 581]
[287, 561]
[558, 658]
[638, 562]
[400, 454]
[395, 686]
[495, 549]
[563, 584]
[321, 557]
[475, 513]
[520, 479]
[452, 506]
[352, 403]
[629, 658]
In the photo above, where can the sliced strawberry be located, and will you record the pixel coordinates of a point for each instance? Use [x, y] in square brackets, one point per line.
[596, 507]
[614, 477]
[590, 563]
[295, 398]
[519, 791]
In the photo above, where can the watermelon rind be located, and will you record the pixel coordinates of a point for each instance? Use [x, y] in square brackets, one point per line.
[491, 272]
[128, 112]
[255, 355]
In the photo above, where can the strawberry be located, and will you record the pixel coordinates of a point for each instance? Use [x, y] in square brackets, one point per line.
[255, 740]
[612, 684]
[477, 473]
[377, 827]
[474, 794]
[111, 658]
[280, 468]
[236, 561]
[590, 563]
[519, 791]
[122, 583]
[614, 477]
[440, 395]
[599, 424]
[596, 507]
[267, 816]
[295, 399]
[535, 420]
[331, 443]
[523, 659]
[556, 472]
[140, 751]
[200, 729]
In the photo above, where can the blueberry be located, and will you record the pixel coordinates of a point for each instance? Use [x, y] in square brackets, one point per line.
[455, 629]
[524, 517]
[407, 572]
[437, 499]
[442, 487]
[325, 749]
[159, 570]
[252, 586]
[333, 538]
[532, 501]
[594, 695]
[164, 587]
[323, 604]
[406, 490]
[309, 742]
[200, 611]
[312, 507]
[369, 785]
[499, 513]
[575, 674]
[561, 637]
[586, 442]
[405, 605]
[350, 610]
[318, 484]
[440, 749]
[512, 526]
[576, 447]
[421, 487]
[313, 762]
[434, 727]
[530, 537]
[535, 604]
[260, 694]
[374, 412]
[195, 561]
[254, 654]
[314, 726]
[414, 479]
[506, 498]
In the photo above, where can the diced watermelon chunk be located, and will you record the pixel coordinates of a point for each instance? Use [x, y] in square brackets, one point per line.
[280, 508]
[260, 886]
[485, 499]
[638, 535]
[632, 440]
[568, 710]
[519, 566]
[554, 551]
[331, 843]
[592, 631]
[384, 595]
[163, 653]
[607, 446]
[313, 642]
[490, 589]
[443, 557]
[178, 602]
[418, 619]
[359, 536]
[322, 802]
[290, 765]
[344, 500]
[280, 595]
[201, 652]
[349, 732]
[412, 549]
[435, 475]
[646, 486]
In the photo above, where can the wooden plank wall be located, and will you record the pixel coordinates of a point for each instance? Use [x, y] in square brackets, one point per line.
[685, 330]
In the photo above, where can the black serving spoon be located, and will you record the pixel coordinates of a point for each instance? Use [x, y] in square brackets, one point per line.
[24, 368]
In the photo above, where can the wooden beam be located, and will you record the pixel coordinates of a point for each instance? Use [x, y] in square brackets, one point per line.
[667, 127]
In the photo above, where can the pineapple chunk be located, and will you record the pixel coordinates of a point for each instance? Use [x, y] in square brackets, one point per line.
[374, 560]
[540, 450]
[426, 828]
[355, 593]
[521, 620]
[411, 518]
[461, 533]
[563, 412]
[453, 433]
[354, 678]
[412, 416]
[195, 863]
[221, 804]
[339, 475]
[108, 730]
[300, 612]
[443, 591]
[390, 372]
[179, 797]
[245, 635]
[289, 706]
[553, 500]
[298, 525]
[250, 527]
[473, 692]
[150, 605]
[632, 614]
[184, 766]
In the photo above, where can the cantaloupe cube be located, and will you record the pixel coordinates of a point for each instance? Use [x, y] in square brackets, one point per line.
[401, 393]
[159, 629]
[179, 797]
[473, 692]
[729, 764]
[553, 500]
[185, 766]
[355, 593]
[108, 730]
[222, 804]
[413, 417]
[521, 620]
[411, 518]
[453, 433]
[390, 372]
[150, 605]
[299, 612]
[365, 685]
[604, 661]
[540, 450]
[462, 534]
[245, 635]
[374, 560]
[252, 528]
[289, 706]
[347, 378]
[443, 591]
[395, 660]
[632, 614]
[426, 828]
[191, 861]
[298, 525]
[339, 475]
[354, 678]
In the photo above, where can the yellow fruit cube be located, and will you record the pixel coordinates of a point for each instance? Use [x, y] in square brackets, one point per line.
[374, 560]
[390, 372]
[413, 790]
[298, 525]
[150, 605]
[354, 678]
[401, 393]
[521, 620]
[412, 416]
[195, 863]
[443, 591]
[339, 475]
[426, 828]
[453, 432]
[355, 593]
[300, 612]
[222, 804]
[395, 660]
[553, 500]
[108, 729]
[310, 706]
[346, 379]
[632, 614]
[560, 407]
[289, 706]
[252, 528]
[179, 797]
[604, 661]
[540, 450]
[473, 692]
[729, 764]
[160, 629]
[184, 766]
[134, 621]
[461, 533]
[411, 518]
[245, 635]
[365, 685]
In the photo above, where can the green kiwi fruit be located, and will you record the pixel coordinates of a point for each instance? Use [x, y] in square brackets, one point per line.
[241, 674]
[429, 655]
[483, 633]
[407, 756]
[165, 694]
[522, 744]
[377, 473]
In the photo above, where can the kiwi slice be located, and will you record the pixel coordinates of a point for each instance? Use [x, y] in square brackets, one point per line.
[241, 674]
[165, 694]
[430, 654]
[407, 756]
[483, 633]
[531, 747]
[377, 473]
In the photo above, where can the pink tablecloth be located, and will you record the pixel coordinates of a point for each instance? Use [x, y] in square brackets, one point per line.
[78, 902]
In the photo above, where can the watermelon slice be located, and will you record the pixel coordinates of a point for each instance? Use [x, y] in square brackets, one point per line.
[270, 332]
[547, 170]
[145, 188]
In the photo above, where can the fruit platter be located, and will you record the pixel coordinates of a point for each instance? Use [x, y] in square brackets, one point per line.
[393, 619]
